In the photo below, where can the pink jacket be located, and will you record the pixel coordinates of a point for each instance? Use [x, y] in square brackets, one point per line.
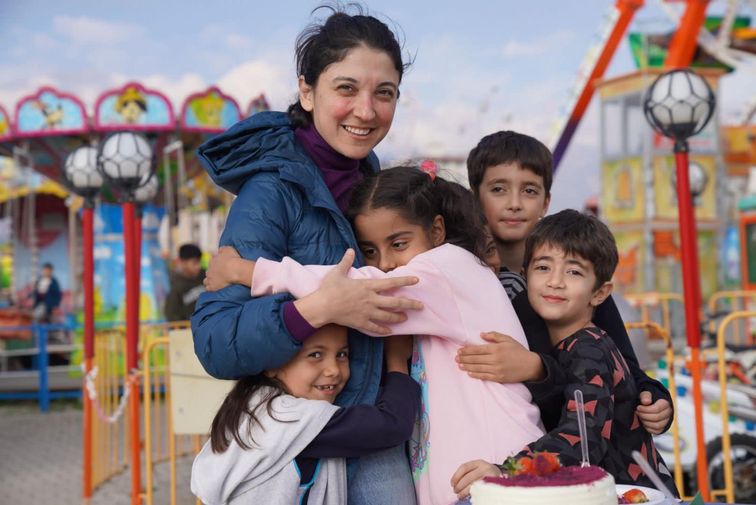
[461, 418]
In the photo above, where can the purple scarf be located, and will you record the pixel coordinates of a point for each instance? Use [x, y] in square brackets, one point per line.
[341, 174]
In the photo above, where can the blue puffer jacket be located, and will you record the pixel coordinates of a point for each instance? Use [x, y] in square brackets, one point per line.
[283, 208]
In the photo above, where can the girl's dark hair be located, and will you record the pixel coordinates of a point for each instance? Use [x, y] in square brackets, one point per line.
[319, 45]
[228, 420]
[419, 198]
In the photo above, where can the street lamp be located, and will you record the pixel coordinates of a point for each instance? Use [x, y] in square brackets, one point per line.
[125, 160]
[81, 177]
[678, 105]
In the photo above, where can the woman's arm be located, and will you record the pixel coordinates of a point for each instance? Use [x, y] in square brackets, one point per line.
[440, 315]
[234, 334]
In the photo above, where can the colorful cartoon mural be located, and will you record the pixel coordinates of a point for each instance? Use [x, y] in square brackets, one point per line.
[110, 267]
[703, 170]
[135, 107]
[50, 112]
[209, 111]
[667, 261]
[258, 104]
[5, 125]
[629, 273]
[622, 196]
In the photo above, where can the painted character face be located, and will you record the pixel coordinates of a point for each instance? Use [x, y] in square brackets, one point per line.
[513, 200]
[320, 370]
[388, 241]
[131, 112]
[353, 101]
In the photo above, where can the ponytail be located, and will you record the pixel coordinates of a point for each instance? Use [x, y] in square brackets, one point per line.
[419, 198]
[236, 406]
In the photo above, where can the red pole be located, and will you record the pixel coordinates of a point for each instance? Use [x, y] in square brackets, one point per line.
[138, 270]
[87, 219]
[132, 337]
[692, 296]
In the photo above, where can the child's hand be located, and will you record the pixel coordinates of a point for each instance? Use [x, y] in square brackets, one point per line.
[654, 416]
[227, 267]
[504, 360]
[398, 351]
[469, 472]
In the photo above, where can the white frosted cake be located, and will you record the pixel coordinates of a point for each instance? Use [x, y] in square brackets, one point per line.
[568, 485]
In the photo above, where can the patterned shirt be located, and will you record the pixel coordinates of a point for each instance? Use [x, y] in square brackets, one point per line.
[596, 367]
[513, 283]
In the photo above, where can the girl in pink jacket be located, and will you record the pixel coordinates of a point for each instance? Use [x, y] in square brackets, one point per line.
[411, 223]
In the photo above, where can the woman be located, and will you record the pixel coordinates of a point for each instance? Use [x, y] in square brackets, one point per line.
[293, 174]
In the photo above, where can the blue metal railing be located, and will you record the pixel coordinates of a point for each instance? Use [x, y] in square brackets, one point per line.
[40, 363]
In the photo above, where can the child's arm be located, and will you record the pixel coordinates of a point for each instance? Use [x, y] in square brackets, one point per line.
[590, 370]
[363, 429]
[656, 412]
[439, 315]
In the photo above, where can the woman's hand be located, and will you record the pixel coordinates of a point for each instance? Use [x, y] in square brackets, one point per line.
[468, 473]
[226, 268]
[357, 304]
[653, 415]
[504, 360]
[398, 350]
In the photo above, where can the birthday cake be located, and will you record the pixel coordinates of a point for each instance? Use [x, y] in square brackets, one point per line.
[540, 480]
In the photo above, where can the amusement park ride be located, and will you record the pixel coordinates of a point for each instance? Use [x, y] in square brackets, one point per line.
[41, 214]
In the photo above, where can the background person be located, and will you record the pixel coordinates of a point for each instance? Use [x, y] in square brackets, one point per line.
[187, 284]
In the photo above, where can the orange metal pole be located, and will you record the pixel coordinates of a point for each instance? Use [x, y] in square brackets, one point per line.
[683, 45]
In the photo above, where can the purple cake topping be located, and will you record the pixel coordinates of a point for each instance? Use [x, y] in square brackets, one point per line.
[565, 476]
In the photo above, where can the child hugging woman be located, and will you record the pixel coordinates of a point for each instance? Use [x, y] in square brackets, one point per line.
[410, 223]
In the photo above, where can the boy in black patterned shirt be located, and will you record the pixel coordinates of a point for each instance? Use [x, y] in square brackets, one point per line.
[569, 261]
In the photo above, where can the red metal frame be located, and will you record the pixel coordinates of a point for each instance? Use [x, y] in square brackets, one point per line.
[683, 45]
[627, 10]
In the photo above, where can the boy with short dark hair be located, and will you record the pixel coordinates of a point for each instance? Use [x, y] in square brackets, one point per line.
[186, 284]
[569, 260]
[511, 175]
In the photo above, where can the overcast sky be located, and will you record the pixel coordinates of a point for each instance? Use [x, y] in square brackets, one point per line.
[480, 66]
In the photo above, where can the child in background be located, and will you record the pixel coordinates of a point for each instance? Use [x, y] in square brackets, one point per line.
[186, 284]
[409, 223]
[511, 174]
[278, 438]
[570, 259]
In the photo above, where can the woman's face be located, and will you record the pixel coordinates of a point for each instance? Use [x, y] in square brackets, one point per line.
[353, 101]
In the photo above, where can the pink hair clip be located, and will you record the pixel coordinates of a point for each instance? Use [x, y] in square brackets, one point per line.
[430, 168]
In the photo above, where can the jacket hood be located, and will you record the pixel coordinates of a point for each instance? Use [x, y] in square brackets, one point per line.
[262, 142]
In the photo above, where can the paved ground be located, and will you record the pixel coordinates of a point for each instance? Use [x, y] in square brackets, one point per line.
[40, 461]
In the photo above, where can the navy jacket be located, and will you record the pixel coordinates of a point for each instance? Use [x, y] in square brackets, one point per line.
[283, 208]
